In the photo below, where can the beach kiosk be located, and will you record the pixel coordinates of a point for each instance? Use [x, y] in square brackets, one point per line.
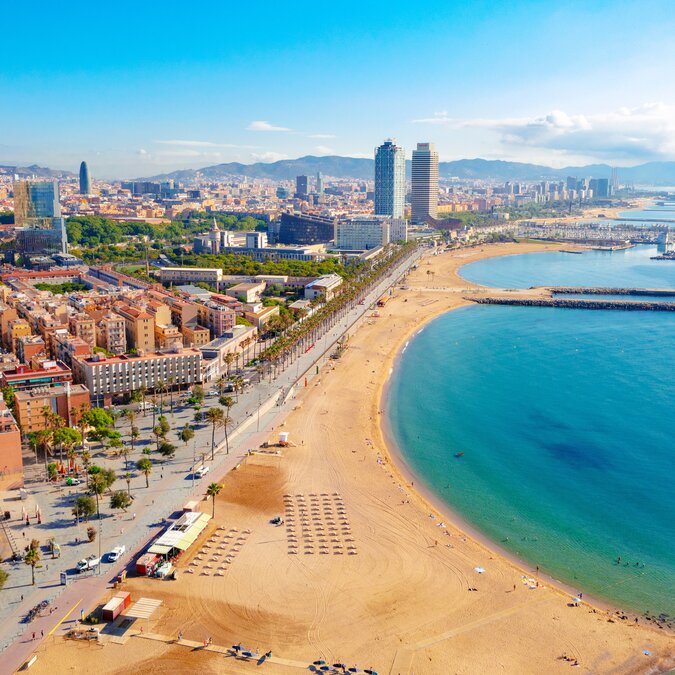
[179, 536]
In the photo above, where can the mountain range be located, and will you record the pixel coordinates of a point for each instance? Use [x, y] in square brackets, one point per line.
[651, 173]
[33, 170]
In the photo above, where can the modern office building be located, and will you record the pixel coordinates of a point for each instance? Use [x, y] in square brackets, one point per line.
[301, 186]
[424, 183]
[600, 187]
[85, 179]
[297, 228]
[41, 230]
[390, 180]
[362, 232]
[319, 183]
[398, 230]
[108, 377]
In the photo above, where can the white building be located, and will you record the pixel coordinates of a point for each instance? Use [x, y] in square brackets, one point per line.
[324, 286]
[181, 275]
[362, 232]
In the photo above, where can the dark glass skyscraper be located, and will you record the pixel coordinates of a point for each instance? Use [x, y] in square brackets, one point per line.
[85, 179]
[390, 180]
[37, 216]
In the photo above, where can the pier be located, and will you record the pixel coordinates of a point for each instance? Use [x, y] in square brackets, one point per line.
[549, 297]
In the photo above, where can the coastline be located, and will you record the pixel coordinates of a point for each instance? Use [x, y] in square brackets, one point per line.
[400, 603]
[443, 509]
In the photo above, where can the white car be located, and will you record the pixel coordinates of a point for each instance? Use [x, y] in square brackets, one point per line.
[116, 553]
[89, 563]
[201, 471]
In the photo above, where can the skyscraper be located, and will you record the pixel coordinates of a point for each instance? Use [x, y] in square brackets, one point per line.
[37, 215]
[301, 186]
[319, 183]
[389, 180]
[85, 179]
[424, 182]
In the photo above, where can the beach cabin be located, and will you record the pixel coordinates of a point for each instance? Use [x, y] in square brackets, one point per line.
[180, 535]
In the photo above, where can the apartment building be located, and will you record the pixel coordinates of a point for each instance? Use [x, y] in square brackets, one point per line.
[66, 346]
[11, 461]
[195, 335]
[83, 326]
[31, 403]
[247, 292]
[15, 329]
[111, 333]
[140, 327]
[108, 377]
[46, 374]
[29, 347]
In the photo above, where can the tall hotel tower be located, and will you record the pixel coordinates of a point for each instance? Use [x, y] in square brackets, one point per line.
[389, 180]
[424, 182]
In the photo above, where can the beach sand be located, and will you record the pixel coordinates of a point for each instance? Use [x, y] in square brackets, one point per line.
[400, 603]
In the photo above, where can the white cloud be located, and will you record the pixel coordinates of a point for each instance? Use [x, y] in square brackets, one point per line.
[319, 136]
[268, 156]
[142, 151]
[324, 150]
[642, 133]
[262, 125]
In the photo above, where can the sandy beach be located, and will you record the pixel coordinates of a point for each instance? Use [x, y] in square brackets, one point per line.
[361, 572]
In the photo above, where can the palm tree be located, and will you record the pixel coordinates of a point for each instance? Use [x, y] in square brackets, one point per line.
[215, 416]
[212, 491]
[127, 478]
[32, 558]
[98, 485]
[86, 461]
[227, 402]
[229, 359]
[144, 465]
[170, 383]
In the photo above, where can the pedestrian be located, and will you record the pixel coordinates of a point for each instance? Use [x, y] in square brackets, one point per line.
[42, 633]
[33, 635]
[180, 635]
[22, 597]
[514, 587]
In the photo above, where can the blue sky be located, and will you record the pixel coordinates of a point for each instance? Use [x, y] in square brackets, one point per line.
[139, 88]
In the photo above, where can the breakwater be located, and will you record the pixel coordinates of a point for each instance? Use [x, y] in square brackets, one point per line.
[596, 290]
[571, 303]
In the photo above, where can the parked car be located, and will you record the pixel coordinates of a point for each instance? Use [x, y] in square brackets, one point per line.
[73, 481]
[116, 553]
[89, 563]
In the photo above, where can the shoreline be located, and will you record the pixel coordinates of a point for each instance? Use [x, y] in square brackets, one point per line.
[378, 591]
[436, 503]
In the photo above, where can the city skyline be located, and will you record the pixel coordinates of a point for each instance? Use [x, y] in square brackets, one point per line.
[570, 104]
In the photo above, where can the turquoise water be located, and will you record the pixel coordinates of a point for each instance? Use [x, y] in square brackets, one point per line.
[566, 421]
[618, 269]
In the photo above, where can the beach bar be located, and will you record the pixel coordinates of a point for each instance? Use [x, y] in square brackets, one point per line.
[180, 535]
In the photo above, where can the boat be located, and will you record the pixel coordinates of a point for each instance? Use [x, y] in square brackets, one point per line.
[459, 454]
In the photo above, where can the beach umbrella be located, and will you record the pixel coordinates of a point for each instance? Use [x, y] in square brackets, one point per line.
[480, 570]
[575, 599]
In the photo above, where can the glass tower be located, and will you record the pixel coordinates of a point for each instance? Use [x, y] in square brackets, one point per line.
[390, 180]
[37, 216]
[424, 183]
[85, 179]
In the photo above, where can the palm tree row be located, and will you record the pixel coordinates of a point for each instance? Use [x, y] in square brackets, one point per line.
[297, 339]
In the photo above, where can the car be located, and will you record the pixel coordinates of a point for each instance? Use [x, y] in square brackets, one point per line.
[89, 563]
[116, 553]
[74, 481]
[201, 471]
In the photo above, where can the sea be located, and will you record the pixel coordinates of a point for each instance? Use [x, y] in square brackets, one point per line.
[566, 422]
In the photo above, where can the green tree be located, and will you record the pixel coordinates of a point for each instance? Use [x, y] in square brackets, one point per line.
[120, 500]
[167, 449]
[98, 418]
[212, 491]
[85, 507]
[187, 434]
[144, 465]
[8, 395]
[214, 416]
[32, 558]
[227, 402]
